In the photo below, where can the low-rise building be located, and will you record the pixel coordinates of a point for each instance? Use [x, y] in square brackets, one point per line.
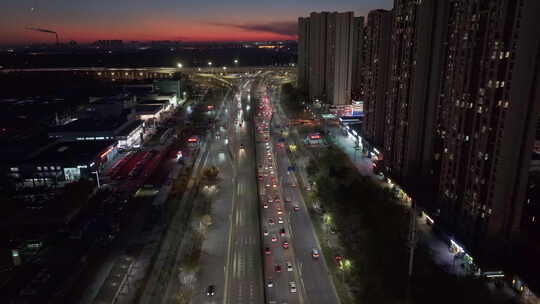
[63, 162]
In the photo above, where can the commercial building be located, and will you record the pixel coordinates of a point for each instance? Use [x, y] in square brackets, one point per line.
[326, 56]
[416, 52]
[62, 162]
[486, 120]
[128, 132]
[378, 34]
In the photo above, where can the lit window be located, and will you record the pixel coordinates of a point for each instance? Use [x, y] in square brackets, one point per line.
[507, 54]
[58, 168]
[39, 168]
[502, 84]
[14, 169]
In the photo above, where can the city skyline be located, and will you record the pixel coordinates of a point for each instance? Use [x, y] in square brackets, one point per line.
[238, 20]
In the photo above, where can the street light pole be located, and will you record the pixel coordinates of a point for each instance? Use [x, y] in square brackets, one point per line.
[97, 178]
[412, 245]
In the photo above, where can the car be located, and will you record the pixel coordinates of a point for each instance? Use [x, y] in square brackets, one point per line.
[277, 268]
[274, 238]
[265, 206]
[267, 250]
[315, 253]
[279, 211]
[271, 221]
[260, 177]
[211, 290]
[285, 245]
[274, 185]
[289, 266]
[265, 232]
[270, 283]
[267, 185]
[287, 199]
[292, 286]
[282, 231]
[293, 184]
[270, 200]
[296, 208]
[280, 220]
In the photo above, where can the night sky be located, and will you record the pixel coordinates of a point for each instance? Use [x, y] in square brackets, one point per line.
[186, 20]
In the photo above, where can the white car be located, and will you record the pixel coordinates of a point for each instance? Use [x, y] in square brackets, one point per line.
[280, 220]
[292, 285]
[289, 266]
[270, 283]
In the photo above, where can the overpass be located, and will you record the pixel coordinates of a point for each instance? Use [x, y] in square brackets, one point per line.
[155, 72]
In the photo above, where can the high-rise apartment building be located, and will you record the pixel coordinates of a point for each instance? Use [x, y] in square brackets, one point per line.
[377, 56]
[486, 119]
[358, 59]
[327, 53]
[303, 54]
[416, 52]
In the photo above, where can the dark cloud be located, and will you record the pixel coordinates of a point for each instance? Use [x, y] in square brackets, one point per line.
[286, 28]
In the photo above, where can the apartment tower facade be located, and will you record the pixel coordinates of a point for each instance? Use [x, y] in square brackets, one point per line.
[327, 54]
[377, 60]
[488, 108]
[414, 81]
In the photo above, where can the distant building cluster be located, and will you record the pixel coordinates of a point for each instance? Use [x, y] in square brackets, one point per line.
[451, 93]
[330, 56]
[79, 144]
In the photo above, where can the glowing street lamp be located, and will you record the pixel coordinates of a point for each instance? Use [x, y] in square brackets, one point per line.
[236, 61]
[179, 65]
[209, 63]
[224, 68]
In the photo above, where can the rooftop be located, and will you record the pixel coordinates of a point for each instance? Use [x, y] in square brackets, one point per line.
[151, 108]
[153, 102]
[129, 127]
[78, 152]
[90, 125]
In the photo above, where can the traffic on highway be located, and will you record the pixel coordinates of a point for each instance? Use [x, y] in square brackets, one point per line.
[262, 236]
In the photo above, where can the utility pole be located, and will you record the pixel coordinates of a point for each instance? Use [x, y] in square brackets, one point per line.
[412, 246]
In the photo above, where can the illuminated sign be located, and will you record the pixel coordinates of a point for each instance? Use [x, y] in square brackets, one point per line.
[72, 174]
[210, 107]
[315, 136]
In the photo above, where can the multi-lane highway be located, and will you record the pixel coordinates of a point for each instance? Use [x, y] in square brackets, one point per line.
[262, 246]
[231, 256]
[314, 274]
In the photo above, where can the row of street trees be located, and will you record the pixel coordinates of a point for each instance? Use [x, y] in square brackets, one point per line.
[372, 227]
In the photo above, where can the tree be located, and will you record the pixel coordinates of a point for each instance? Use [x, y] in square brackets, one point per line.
[206, 220]
[210, 175]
